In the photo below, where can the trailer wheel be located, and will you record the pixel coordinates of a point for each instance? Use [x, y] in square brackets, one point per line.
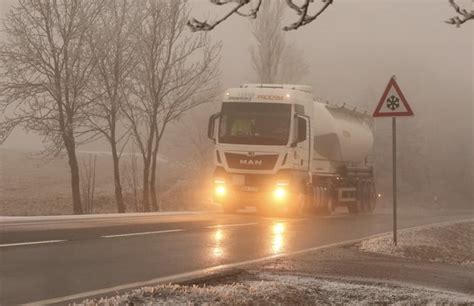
[358, 205]
[372, 197]
[365, 197]
[319, 201]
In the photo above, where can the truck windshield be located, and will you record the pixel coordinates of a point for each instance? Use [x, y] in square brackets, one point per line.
[255, 123]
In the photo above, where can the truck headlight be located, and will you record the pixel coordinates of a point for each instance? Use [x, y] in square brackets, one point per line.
[280, 193]
[281, 190]
[220, 188]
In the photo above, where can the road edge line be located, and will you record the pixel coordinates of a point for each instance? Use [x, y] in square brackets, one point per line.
[143, 233]
[230, 225]
[7, 245]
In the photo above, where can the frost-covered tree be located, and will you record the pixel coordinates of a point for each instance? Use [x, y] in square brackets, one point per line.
[113, 50]
[303, 9]
[175, 72]
[46, 68]
[274, 60]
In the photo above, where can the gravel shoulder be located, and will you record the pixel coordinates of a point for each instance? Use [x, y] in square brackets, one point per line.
[363, 273]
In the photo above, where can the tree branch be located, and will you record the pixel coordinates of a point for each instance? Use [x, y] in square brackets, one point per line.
[196, 25]
[465, 15]
[302, 11]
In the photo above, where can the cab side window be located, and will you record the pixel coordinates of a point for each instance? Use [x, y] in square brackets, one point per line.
[299, 109]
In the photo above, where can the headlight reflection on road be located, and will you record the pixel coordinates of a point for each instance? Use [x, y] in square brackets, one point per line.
[278, 238]
[218, 236]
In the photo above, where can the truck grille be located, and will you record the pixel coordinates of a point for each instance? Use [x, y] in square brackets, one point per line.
[260, 162]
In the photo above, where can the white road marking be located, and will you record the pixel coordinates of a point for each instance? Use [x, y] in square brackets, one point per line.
[29, 243]
[230, 225]
[197, 273]
[142, 233]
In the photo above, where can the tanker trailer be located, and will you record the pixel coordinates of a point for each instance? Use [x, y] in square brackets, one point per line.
[281, 151]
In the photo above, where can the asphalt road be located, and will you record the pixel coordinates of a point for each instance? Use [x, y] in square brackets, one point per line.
[47, 259]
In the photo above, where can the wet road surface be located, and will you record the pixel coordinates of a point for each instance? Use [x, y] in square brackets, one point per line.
[48, 259]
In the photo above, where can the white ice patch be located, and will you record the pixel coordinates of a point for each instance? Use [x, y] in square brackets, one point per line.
[449, 243]
[284, 289]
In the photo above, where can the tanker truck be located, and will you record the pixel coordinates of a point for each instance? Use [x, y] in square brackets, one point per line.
[279, 149]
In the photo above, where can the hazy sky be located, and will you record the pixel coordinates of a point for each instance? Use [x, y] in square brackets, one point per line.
[355, 47]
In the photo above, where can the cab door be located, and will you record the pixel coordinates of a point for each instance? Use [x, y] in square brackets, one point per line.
[302, 143]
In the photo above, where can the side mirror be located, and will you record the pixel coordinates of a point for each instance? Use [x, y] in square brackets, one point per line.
[301, 127]
[211, 126]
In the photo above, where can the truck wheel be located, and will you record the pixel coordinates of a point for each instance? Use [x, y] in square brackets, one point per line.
[297, 208]
[365, 197]
[353, 208]
[228, 208]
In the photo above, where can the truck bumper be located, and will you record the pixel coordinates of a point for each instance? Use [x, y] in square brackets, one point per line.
[258, 190]
[271, 199]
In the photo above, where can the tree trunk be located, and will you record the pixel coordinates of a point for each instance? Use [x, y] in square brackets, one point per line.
[75, 187]
[154, 198]
[118, 185]
[146, 174]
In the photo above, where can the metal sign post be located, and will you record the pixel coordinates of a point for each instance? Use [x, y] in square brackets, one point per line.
[394, 178]
[390, 106]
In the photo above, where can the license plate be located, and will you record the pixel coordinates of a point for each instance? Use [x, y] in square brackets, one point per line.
[249, 188]
[238, 180]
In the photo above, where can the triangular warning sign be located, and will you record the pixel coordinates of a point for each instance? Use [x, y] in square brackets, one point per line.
[393, 102]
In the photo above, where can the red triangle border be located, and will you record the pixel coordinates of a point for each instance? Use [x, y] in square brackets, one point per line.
[408, 112]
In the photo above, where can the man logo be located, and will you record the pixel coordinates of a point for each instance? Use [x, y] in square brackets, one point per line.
[251, 154]
[249, 162]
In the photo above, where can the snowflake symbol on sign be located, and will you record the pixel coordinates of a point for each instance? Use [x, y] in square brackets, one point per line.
[393, 102]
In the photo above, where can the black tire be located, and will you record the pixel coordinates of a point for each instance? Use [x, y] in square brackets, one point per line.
[297, 208]
[357, 206]
[323, 209]
[353, 208]
[365, 197]
[228, 208]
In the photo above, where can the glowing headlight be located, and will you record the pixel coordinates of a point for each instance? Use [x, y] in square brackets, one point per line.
[220, 189]
[279, 193]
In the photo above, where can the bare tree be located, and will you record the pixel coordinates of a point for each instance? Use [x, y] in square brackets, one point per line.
[303, 10]
[195, 149]
[131, 178]
[87, 174]
[113, 51]
[274, 60]
[175, 72]
[270, 42]
[45, 69]
[293, 67]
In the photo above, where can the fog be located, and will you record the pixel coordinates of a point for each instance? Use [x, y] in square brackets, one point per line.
[352, 51]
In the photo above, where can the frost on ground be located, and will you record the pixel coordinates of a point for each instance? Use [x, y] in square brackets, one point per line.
[448, 243]
[266, 289]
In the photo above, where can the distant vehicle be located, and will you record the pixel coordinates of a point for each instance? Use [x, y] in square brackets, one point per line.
[282, 151]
